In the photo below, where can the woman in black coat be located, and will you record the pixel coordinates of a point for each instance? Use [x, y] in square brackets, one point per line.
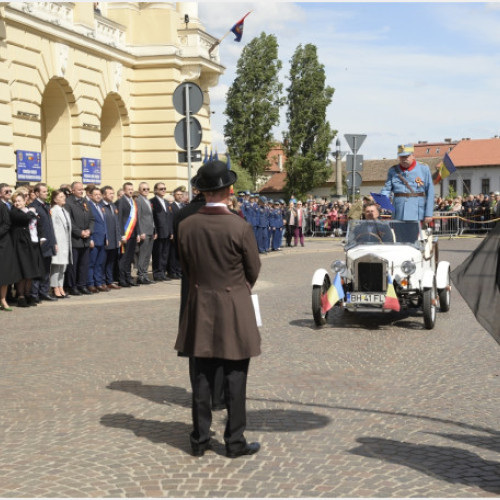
[26, 242]
[9, 268]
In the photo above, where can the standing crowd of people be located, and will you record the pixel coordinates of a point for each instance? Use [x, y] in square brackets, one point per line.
[79, 240]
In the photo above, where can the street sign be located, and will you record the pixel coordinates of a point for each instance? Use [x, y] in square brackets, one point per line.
[195, 98]
[350, 166]
[195, 156]
[355, 141]
[353, 180]
[180, 133]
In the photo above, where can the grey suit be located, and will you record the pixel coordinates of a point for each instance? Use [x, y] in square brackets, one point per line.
[147, 225]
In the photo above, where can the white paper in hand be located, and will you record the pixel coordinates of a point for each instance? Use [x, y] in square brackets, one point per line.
[255, 301]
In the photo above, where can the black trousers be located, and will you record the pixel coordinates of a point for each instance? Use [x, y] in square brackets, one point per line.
[161, 250]
[77, 272]
[235, 387]
[126, 259]
[42, 286]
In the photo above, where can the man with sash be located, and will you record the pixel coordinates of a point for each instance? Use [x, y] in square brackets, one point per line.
[127, 216]
[412, 186]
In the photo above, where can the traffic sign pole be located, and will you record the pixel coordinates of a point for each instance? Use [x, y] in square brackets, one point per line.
[188, 140]
[354, 151]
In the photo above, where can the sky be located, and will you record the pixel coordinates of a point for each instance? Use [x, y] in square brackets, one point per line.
[402, 72]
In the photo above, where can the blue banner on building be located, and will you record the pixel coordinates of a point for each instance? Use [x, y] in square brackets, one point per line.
[28, 166]
[91, 171]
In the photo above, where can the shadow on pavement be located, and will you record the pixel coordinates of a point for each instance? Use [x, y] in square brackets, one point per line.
[454, 465]
[275, 420]
[338, 317]
[175, 434]
[487, 442]
[161, 394]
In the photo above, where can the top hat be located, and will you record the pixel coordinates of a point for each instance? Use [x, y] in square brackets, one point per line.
[213, 176]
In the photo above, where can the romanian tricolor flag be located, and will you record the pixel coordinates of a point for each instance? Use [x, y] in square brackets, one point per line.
[333, 295]
[445, 168]
[391, 299]
[237, 29]
[131, 223]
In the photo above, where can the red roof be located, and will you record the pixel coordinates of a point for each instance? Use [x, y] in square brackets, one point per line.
[275, 184]
[476, 153]
[273, 159]
[433, 149]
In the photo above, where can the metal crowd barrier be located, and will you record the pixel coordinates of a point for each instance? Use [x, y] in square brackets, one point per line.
[446, 224]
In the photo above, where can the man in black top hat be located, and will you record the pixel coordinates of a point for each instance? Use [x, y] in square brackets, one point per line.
[219, 255]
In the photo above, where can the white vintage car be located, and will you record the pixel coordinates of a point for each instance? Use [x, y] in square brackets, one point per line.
[377, 251]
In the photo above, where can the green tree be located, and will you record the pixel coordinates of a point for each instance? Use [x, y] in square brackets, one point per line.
[252, 105]
[307, 140]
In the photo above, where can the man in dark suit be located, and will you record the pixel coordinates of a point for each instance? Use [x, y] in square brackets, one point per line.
[41, 288]
[98, 240]
[114, 235]
[174, 267]
[82, 225]
[219, 255]
[129, 230]
[147, 234]
[163, 219]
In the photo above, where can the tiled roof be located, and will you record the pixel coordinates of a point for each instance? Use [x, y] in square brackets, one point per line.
[433, 149]
[275, 184]
[273, 158]
[476, 153]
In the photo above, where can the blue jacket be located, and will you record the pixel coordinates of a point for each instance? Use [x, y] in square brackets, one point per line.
[420, 180]
[100, 233]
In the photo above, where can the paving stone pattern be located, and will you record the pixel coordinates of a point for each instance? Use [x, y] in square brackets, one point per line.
[96, 403]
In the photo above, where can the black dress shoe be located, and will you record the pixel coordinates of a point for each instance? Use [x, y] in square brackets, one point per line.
[85, 291]
[143, 282]
[75, 291]
[48, 298]
[32, 301]
[125, 285]
[159, 278]
[132, 283]
[249, 449]
[198, 450]
[148, 281]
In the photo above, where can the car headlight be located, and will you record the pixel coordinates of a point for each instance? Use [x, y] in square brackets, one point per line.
[338, 266]
[408, 267]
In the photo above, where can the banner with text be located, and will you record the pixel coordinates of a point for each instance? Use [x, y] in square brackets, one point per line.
[91, 171]
[29, 166]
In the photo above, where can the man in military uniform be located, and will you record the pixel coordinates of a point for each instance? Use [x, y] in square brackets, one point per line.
[412, 186]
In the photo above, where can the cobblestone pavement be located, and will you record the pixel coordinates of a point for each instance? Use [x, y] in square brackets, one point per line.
[95, 402]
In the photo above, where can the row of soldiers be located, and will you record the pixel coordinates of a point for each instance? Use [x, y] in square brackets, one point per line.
[267, 217]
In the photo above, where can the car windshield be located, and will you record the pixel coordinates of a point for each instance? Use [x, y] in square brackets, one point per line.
[382, 232]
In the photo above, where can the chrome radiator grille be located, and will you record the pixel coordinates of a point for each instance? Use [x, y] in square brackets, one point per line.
[371, 276]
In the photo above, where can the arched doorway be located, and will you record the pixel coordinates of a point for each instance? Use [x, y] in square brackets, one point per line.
[56, 136]
[112, 164]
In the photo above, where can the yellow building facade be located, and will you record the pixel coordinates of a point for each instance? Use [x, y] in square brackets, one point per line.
[95, 81]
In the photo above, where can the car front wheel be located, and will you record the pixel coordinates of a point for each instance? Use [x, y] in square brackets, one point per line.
[429, 307]
[317, 292]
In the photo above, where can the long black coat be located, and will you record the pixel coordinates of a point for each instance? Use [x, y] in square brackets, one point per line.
[9, 267]
[28, 253]
[81, 218]
[46, 228]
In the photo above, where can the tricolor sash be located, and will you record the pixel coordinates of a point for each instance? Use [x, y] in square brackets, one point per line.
[130, 223]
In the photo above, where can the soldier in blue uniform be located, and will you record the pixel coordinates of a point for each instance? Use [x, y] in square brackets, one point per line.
[275, 226]
[262, 220]
[412, 187]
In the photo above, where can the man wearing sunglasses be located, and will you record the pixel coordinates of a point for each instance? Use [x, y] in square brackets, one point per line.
[164, 222]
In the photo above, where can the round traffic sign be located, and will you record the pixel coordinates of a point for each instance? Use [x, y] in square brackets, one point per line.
[195, 98]
[353, 177]
[180, 133]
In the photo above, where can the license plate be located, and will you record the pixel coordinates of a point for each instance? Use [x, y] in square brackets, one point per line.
[365, 298]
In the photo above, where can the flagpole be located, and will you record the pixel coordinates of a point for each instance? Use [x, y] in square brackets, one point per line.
[217, 42]
[220, 39]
